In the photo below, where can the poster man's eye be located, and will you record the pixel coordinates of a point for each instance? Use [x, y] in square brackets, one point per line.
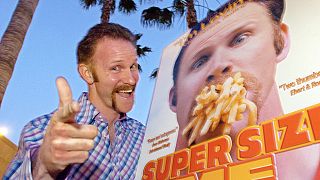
[238, 39]
[200, 62]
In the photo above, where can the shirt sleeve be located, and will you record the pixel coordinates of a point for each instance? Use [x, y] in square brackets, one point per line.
[29, 143]
[20, 166]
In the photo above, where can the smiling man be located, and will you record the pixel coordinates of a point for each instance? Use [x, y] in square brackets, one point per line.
[92, 137]
[249, 38]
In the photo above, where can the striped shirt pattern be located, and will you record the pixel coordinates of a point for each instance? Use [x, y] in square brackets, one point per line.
[106, 160]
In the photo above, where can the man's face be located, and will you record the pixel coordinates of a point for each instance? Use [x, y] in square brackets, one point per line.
[242, 42]
[115, 69]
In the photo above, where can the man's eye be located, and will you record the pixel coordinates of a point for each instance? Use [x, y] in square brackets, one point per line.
[238, 39]
[115, 68]
[134, 67]
[200, 62]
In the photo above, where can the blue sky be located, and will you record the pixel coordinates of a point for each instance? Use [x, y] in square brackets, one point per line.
[49, 51]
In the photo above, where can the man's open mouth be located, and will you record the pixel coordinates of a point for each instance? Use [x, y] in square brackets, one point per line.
[125, 93]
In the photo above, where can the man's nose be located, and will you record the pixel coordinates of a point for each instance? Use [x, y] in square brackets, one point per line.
[130, 77]
[222, 72]
[221, 65]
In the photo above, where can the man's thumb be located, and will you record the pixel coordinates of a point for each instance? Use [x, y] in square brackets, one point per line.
[67, 108]
[64, 91]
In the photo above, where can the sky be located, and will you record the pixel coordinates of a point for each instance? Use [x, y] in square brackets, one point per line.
[49, 51]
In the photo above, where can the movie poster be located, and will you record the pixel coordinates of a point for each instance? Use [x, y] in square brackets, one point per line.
[238, 96]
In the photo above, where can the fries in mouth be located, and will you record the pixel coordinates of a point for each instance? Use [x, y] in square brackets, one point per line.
[220, 105]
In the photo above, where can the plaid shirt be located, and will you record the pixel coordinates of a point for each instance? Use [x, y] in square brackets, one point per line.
[106, 161]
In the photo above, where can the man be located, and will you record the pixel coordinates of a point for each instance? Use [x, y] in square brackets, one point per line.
[251, 39]
[92, 137]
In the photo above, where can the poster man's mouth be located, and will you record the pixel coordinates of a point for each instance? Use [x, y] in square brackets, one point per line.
[218, 106]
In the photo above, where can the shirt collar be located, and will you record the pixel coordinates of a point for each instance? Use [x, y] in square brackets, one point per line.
[119, 123]
[89, 114]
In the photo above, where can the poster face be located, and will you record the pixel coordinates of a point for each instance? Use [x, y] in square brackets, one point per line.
[237, 97]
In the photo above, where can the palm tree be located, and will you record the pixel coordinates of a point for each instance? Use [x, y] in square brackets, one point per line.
[163, 17]
[12, 40]
[108, 7]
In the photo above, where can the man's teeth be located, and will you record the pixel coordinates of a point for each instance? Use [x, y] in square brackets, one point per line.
[125, 91]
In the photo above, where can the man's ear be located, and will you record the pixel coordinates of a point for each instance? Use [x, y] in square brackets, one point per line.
[286, 42]
[85, 73]
[173, 99]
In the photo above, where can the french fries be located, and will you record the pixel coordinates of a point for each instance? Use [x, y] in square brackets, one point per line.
[218, 106]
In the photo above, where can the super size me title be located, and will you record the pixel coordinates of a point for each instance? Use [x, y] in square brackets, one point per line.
[255, 148]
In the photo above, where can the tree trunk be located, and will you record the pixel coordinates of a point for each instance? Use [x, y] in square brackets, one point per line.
[106, 10]
[12, 40]
[191, 14]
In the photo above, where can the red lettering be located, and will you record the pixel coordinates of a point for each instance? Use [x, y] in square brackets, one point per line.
[197, 157]
[179, 162]
[269, 136]
[149, 171]
[314, 117]
[253, 145]
[166, 162]
[293, 134]
[219, 151]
